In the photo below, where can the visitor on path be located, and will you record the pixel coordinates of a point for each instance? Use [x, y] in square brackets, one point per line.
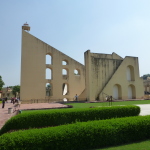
[3, 102]
[12, 100]
[16, 100]
[106, 98]
[76, 97]
[6, 99]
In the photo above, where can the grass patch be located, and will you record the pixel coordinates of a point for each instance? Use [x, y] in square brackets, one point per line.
[30, 111]
[98, 104]
[143, 145]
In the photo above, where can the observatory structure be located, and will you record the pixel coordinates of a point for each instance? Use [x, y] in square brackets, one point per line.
[102, 74]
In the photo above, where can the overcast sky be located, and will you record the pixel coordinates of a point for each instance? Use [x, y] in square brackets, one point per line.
[74, 26]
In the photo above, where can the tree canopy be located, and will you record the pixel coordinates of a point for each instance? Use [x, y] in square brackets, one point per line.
[1, 83]
[145, 76]
[16, 89]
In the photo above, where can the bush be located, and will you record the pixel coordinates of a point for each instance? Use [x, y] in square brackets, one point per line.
[45, 118]
[81, 135]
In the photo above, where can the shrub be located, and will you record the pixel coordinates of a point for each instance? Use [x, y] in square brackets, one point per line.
[38, 119]
[81, 135]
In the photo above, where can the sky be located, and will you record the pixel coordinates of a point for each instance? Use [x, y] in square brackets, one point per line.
[73, 27]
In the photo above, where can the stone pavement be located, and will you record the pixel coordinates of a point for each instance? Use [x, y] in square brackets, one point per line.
[145, 109]
[4, 116]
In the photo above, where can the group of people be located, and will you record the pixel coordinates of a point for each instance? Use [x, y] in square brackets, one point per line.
[13, 100]
[108, 98]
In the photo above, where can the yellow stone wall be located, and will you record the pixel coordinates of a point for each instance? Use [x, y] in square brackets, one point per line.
[103, 74]
[104, 71]
[33, 71]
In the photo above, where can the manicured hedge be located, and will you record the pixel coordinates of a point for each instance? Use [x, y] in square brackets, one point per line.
[81, 135]
[47, 118]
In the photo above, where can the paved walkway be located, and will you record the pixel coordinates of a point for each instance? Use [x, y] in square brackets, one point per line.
[4, 116]
[145, 109]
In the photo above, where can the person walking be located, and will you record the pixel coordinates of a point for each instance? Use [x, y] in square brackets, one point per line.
[76, 97]
[12, 100]
[6, 99]
[3, 102]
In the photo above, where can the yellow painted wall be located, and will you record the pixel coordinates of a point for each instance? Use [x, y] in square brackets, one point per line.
[33, 71]
[103, 71]
[95, 80]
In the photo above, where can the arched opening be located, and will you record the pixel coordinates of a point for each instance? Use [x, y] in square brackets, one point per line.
[65, 99]
[117, 92]
[65, 74]
[76, 72]
[65, 88]
[131, 92]
[48, 89]
[64, 62]
[48, 59]
[130, 73]
[49, 73]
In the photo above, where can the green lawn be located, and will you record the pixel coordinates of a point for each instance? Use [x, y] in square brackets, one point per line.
[28, 111]
[144, 145]
[86, 105]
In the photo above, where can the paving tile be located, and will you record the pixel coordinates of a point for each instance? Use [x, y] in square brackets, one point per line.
[4, 116]
[145, 109]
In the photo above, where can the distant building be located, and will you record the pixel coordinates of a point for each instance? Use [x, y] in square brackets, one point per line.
[147, 85]
[6, 92]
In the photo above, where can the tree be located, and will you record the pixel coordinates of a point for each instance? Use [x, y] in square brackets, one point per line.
[16, 89]
[1, 83]
[145, 76]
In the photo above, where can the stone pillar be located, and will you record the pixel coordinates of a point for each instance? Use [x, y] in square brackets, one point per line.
[87, 59]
